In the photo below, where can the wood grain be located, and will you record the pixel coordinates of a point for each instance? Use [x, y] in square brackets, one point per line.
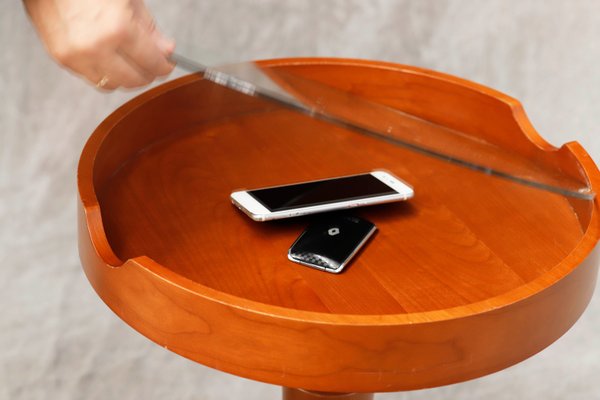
[474, 274]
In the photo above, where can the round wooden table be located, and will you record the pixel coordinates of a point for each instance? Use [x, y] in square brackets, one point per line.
[471, 276]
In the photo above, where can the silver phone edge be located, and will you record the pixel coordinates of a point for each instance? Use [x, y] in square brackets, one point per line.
[254, 217]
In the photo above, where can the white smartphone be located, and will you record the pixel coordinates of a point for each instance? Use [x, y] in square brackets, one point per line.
[311, 197]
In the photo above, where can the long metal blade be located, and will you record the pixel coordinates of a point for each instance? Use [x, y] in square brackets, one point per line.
[394, 126]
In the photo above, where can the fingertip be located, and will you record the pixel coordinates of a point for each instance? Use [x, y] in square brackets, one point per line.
[166, 46]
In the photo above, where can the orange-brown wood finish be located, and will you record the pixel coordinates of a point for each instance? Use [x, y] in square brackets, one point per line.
[471, 276]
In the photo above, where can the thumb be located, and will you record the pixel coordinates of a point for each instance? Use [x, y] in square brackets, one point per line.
[164, 44]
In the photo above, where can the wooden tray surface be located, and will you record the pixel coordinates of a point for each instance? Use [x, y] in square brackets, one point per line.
[472, 275]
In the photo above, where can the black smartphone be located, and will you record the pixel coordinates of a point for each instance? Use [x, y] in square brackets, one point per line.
[330, 244]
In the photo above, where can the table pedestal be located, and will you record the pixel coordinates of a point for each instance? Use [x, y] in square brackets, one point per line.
[300, 394]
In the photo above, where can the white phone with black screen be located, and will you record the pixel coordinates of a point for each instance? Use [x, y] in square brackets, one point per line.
[323, 195]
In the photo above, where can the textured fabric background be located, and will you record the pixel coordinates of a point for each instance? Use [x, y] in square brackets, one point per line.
[59, 341]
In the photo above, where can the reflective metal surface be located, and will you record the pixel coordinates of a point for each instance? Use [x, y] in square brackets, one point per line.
[388, 124]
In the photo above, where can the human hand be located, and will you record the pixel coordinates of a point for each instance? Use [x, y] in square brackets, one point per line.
[111, 43]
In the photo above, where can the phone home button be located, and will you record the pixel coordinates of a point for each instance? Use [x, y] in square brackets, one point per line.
[333, 231]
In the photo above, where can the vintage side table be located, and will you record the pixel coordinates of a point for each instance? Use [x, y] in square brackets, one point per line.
[473, 275]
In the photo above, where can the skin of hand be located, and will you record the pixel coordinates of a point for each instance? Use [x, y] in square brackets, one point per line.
[111, 43]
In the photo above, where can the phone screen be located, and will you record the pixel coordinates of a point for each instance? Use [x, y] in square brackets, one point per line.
[321, 192]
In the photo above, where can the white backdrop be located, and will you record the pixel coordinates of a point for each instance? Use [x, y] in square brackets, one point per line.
[59, 341]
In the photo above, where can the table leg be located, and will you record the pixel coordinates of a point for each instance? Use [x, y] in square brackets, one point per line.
[301, 394]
